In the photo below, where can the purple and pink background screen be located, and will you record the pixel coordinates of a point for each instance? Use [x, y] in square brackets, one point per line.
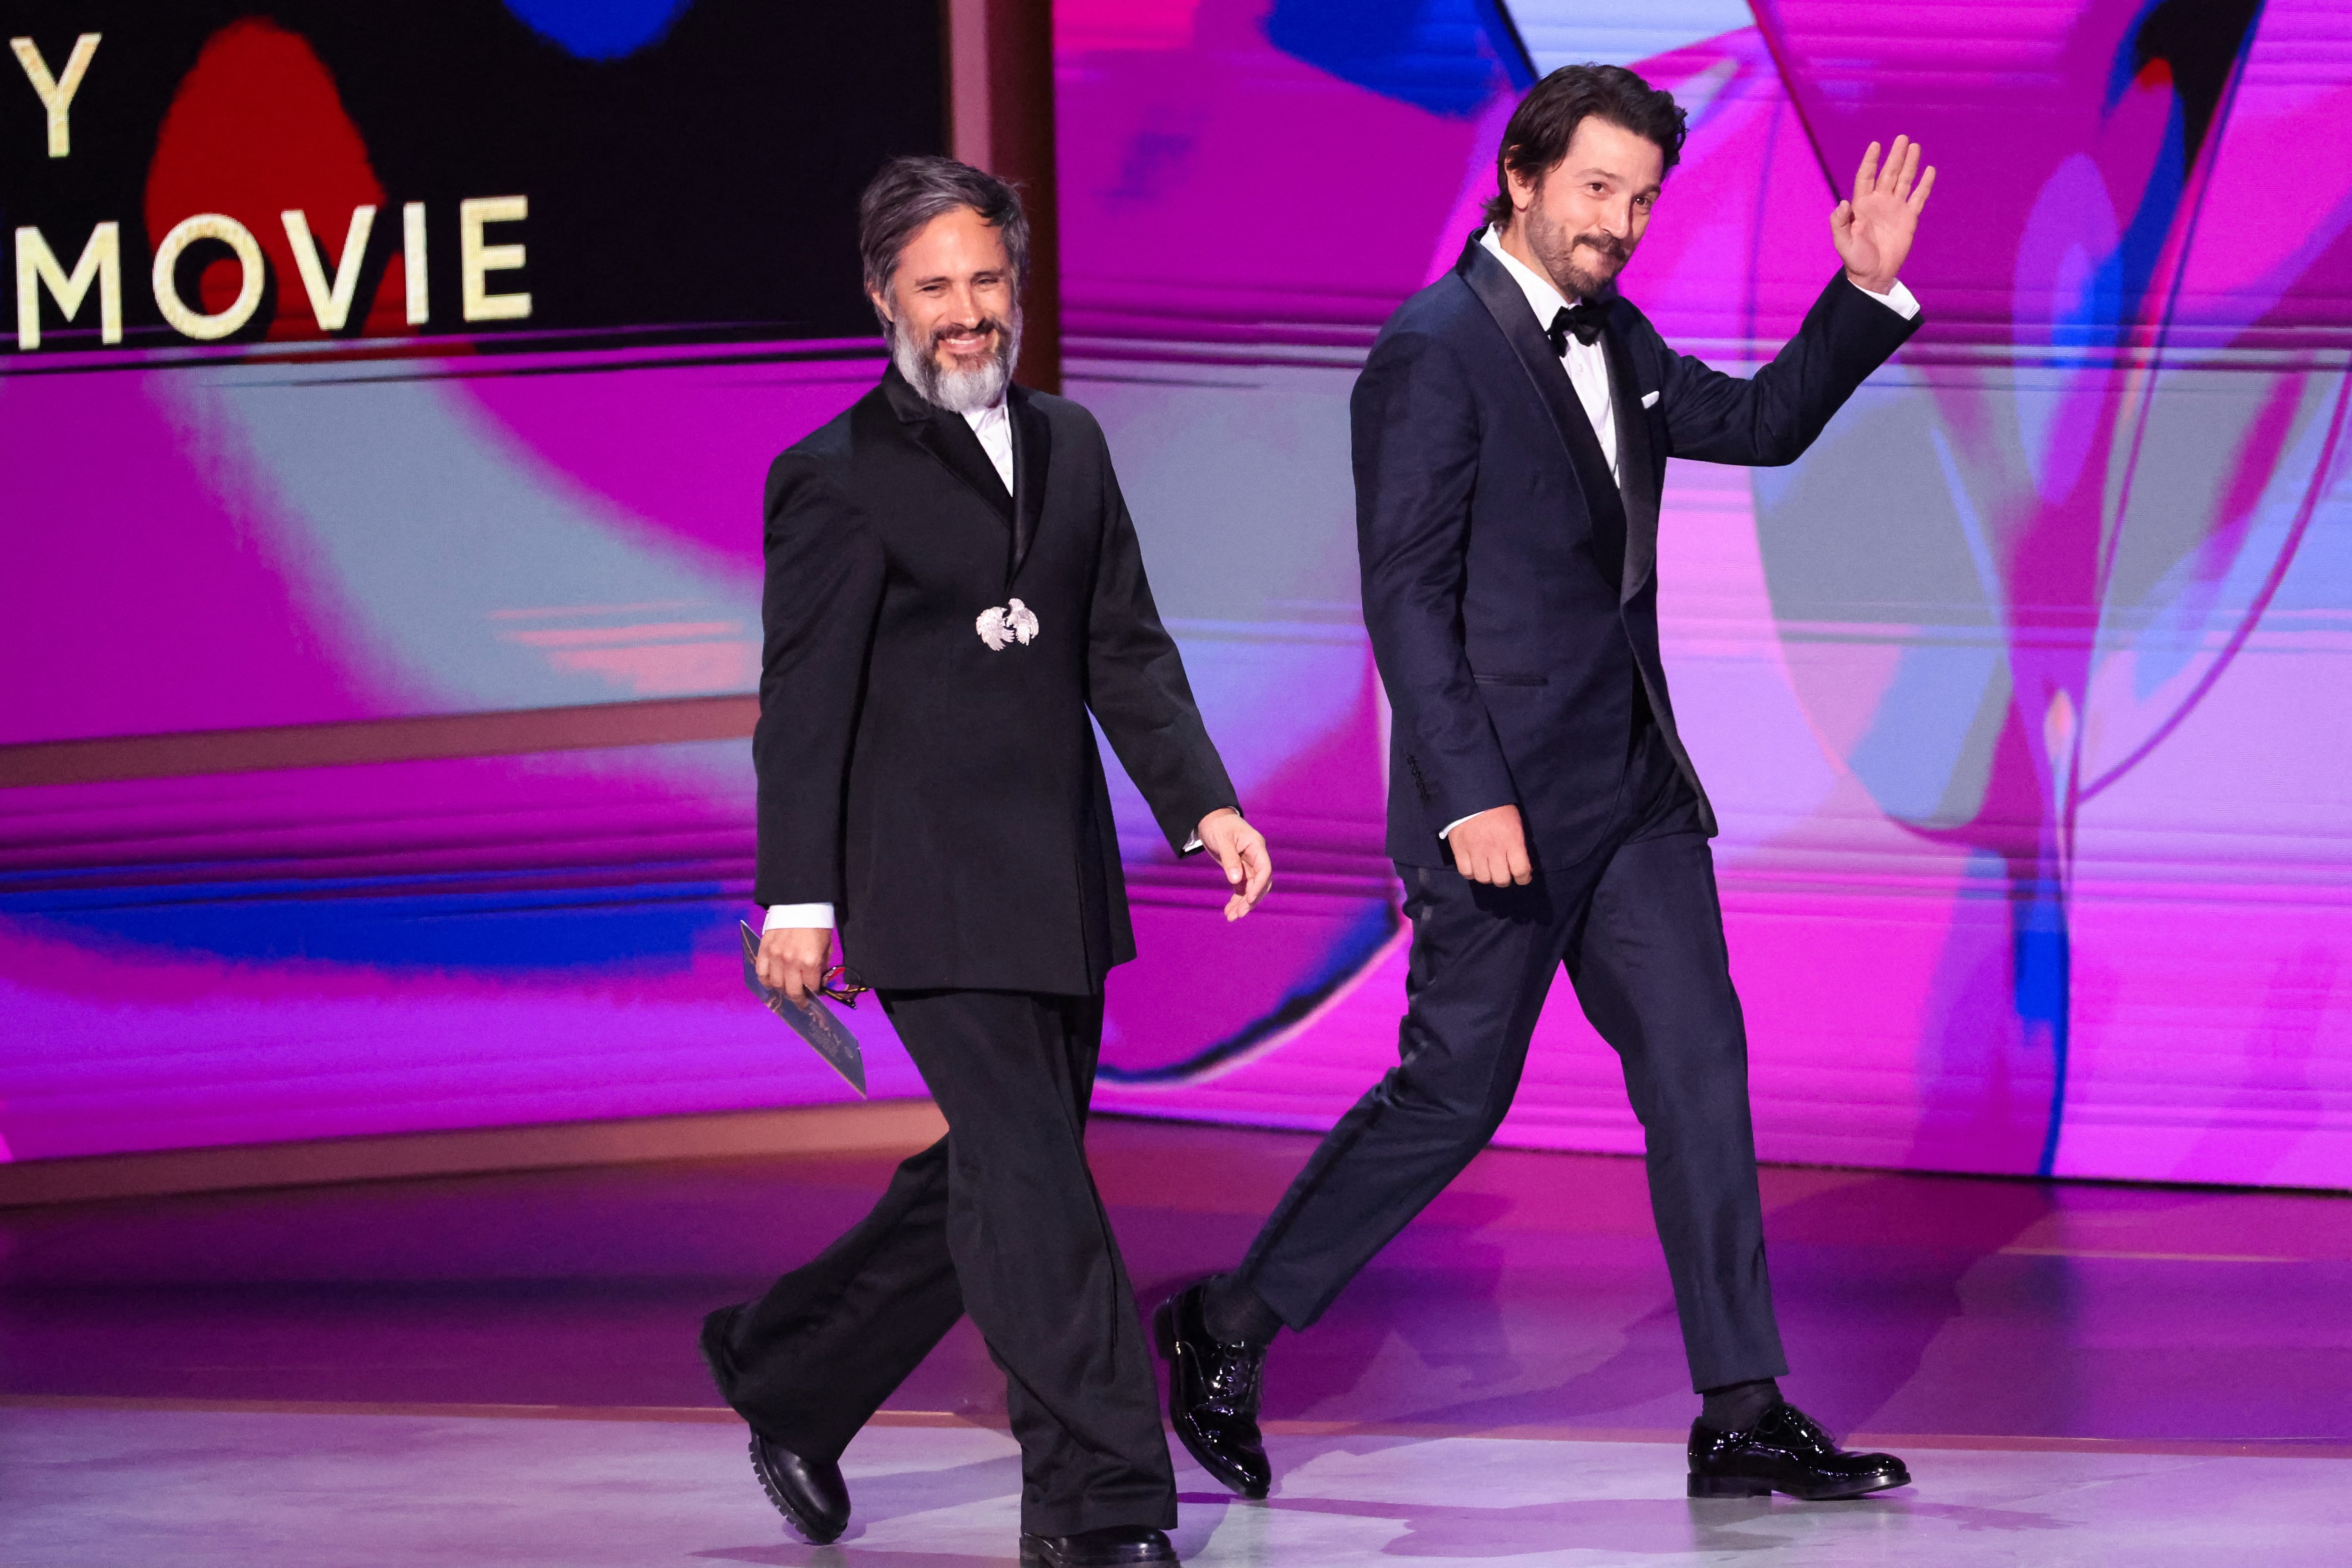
[2023, 696]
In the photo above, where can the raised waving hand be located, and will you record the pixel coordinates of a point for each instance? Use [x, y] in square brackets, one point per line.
[1874, 231]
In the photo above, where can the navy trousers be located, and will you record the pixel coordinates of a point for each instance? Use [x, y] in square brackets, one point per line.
[1638, 930]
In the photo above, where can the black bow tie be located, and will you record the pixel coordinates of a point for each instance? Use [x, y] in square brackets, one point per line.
[1584, 319]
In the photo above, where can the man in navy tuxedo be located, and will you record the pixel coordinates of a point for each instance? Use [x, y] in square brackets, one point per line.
[1510, 430]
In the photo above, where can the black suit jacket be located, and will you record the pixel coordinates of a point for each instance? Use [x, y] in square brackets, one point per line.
[1509, 585]
[947, 798]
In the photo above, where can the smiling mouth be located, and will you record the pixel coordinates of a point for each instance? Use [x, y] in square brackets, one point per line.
[966, 344]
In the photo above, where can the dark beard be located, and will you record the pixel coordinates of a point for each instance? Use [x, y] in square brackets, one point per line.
[1558, 254]
[958, 391]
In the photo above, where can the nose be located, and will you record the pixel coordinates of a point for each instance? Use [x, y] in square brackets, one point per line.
[963, 309]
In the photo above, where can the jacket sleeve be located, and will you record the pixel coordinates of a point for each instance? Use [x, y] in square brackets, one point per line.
[1136, 685]
[1415, 433]
[1771, 417]
[817, 610]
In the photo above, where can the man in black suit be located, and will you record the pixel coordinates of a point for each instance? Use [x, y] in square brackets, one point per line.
[953, 585]
[1511, 429]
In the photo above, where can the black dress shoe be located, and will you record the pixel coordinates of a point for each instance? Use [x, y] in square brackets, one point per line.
[1785, 1452]
[1109, 1548]
[810, 1494]
[1212, 1396]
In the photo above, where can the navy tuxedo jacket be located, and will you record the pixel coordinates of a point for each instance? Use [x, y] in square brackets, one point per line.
[1509, 585]
[945, 797]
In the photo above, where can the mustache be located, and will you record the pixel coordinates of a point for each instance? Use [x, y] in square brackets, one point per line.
[990, 325]
[1615, 249]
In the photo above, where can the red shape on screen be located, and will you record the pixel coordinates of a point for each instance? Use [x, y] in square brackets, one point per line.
[256, 128]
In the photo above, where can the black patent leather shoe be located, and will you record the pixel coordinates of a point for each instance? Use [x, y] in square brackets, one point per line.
[1785, 1452]
[1212, 1396]
[810, 1494]
[1107, 1548]
[813, 1498]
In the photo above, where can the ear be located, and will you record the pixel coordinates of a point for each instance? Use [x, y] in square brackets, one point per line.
[1522, 189]
[882, 305]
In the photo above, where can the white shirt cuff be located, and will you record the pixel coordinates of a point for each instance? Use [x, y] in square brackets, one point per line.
[1458, 821]
[798, 917]
[1898, 299]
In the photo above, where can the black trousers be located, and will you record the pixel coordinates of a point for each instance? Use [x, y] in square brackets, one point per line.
[1639, 928]
[1000, 1219]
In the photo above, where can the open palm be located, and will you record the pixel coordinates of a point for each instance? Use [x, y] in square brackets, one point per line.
[1874, 231]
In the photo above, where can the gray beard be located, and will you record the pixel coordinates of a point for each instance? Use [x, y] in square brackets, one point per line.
[956, 391]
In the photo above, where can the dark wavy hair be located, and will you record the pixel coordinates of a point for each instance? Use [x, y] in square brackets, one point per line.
[1546, 122]
[911, 192]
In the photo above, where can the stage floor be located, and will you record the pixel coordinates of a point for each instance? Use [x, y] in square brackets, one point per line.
[500, 1370]
[216, 1489]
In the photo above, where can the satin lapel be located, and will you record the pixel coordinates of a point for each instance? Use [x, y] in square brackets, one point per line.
[1033, 453]
[947, 437]
[1637, 463]
[1509, 306]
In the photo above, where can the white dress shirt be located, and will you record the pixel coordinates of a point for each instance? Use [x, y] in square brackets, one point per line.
[1588, 363]
[994, 426]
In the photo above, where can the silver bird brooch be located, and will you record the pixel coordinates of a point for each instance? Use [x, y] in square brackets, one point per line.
[1011, 623]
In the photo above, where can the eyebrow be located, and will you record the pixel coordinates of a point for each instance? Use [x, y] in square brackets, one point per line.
[949, 276]
[1617, 178]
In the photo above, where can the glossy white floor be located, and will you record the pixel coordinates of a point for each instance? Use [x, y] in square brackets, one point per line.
[87, 1485]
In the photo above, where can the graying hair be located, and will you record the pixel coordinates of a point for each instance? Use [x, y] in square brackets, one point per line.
[911, 192]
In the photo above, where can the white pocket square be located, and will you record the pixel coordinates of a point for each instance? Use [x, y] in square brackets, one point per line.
[1649, 400]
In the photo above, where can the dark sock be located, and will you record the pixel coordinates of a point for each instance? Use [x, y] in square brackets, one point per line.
[1233, 1313]
[1737, 1406]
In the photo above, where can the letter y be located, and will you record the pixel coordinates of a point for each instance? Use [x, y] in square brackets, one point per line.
[56, 97]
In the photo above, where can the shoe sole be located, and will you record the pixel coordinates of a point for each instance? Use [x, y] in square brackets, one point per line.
[776, 1496]
[1033, 1558]
[1163, 1335]
[1743, 1487]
